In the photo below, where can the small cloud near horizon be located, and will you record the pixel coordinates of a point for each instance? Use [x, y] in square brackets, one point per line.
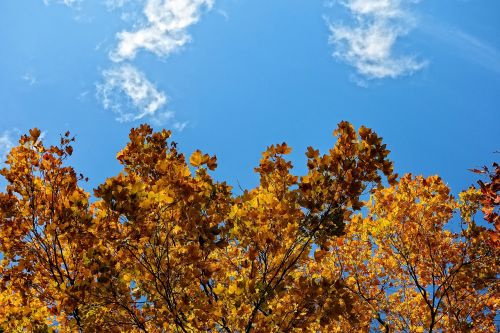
[7, 142]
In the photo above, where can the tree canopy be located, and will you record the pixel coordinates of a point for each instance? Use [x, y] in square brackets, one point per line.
[163, 247]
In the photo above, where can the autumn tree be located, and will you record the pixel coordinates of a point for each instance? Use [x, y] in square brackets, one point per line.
[202, 260]
[45, 231]
[166, 248]
[411, 265]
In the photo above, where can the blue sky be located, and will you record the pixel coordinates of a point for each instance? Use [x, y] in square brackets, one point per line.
[233, 76]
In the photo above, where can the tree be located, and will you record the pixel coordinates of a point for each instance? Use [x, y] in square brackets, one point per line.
[45, 230]
[166, 248]
[412, 266]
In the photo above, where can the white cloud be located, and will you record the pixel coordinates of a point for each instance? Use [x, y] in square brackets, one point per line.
[127, 92]
[368, 46]
[165, 29]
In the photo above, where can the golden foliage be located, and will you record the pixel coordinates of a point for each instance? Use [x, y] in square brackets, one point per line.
[164, 247]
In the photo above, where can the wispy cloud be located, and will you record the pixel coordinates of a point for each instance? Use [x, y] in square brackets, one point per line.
[223, 13]
[113, 4]
[127, 92]
[69, 3]
[165, 28]
[463, 44]
[179, 126]
[30, 78]
[368, 43]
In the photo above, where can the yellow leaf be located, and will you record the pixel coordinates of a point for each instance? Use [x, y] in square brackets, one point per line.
[219, 289]
[196, 158]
